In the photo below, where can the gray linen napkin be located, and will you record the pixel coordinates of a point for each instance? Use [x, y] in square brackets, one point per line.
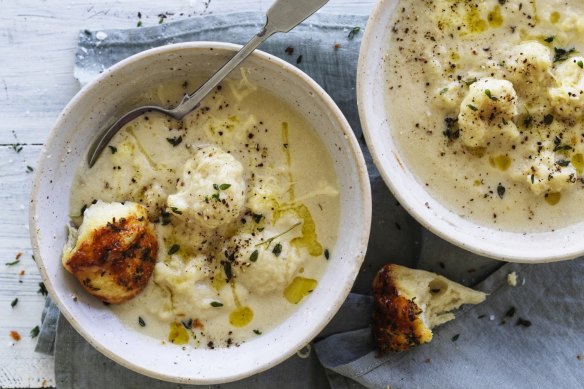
[344, 346]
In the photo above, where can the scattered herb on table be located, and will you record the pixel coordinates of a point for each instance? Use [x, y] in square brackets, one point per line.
[29, 169]
[510, 312]
[455, 337]
[42, 289]
[139, 24]
[523, 322]
[16, 147]
[299, 59]
[354, 31]
[15, 262]
[14, 302]
[35, 332]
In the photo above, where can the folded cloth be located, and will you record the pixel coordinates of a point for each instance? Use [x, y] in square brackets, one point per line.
[528, 336]
[329, 56]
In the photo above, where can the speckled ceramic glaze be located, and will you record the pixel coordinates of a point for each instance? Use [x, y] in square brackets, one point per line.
[117, 90]
[377, 125]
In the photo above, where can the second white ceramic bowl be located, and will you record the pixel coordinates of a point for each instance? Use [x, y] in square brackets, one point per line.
[117, 90]
[566, 243]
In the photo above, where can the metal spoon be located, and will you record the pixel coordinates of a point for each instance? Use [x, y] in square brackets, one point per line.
[282, 16]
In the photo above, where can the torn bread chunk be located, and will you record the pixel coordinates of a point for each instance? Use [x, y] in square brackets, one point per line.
[114, 252]
[409, 303]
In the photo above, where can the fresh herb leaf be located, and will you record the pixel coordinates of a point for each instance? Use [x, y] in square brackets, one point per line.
[15, 262]
[29, 169]
[113, 149]
[500, 190]
[443, 91]
[354, 31]
[277, 250]
[452, 132]
[224, 186]
[14, 302]
[254, 256]
[16, 147]
[490, 96]
[216, 304]
[562, 162]
[215, 186]
[562, 54]
[472, 107]
[176, 210]
[35, 332]
[550, 39]
[257, 332]
[139, 24]
[228, 271]
[173, 249]
[174, 141]
[469, 82]
[523, 322]
[215, 196]
[510, 312]
[42, 289]
[532, 179]
[268, 242]
[141, 321]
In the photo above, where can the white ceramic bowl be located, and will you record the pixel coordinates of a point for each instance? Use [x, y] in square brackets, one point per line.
[116, 90]
[561, 244]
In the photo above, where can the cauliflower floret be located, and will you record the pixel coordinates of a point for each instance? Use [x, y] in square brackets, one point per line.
[263, 265]
[545, 175]
[192, 293]
[568, 97]
[528, 63]
[487, 111]
[212, 189]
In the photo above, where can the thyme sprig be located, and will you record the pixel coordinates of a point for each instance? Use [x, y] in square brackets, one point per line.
[269, 241]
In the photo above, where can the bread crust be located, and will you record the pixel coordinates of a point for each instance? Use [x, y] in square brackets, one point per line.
[115, 262]
[397, 325]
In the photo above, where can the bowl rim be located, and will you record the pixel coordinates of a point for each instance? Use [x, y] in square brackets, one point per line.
[428, 219]
[362, 179]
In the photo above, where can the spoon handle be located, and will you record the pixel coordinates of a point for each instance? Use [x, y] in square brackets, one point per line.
[282, 16]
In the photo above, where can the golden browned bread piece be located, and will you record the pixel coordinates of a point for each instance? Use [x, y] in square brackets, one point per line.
[114, 251]
[408, 303]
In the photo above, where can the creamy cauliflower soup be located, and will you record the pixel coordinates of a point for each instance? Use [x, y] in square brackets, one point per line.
[243, 201]
[486, 100]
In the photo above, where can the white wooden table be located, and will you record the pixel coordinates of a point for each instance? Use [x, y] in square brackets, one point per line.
[38, 40]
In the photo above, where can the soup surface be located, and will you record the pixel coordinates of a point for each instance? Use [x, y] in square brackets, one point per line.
[245, 206]
[487, 102]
